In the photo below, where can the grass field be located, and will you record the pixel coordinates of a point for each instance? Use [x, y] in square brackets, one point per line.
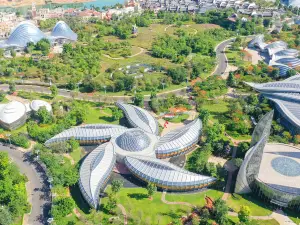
[179, 118]
[216, 108]
[235, 220]
[97, 115]
[257, 207]
[77, 154]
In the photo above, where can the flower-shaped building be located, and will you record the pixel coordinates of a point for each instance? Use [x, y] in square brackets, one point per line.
[140, 149]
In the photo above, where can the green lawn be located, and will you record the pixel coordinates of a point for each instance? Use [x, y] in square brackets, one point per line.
[294, 216]
[194, 198]
[77, 154]
[257, 207]
[154, 211]
[235, 220]
[179, 118]
[97, 115]
[216, 108]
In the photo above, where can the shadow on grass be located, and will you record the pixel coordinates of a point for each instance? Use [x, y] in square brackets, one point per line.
[48, 97]
[137, 196]
[106, 118]
[78, 198]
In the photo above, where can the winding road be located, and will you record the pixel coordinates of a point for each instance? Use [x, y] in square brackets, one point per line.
[37, 188]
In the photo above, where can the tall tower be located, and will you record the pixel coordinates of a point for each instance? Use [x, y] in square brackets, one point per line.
[33, 10]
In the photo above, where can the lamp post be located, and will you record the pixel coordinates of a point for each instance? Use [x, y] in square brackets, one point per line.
[50, 81]
[163, 84]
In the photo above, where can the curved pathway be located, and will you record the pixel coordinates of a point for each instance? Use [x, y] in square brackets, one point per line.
[121, 207]
[142, 50]
[163, 199]
[37, 188]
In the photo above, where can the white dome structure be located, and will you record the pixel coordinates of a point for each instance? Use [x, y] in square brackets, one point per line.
[35, 105]
[62, 30]
[24, 33]
[13, 115]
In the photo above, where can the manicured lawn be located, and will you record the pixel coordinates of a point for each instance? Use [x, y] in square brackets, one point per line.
[77, 154]
[216, 107]
[257, 207]
[240, 136]
[235, 220]
[97, 115]
[194, 198]
[154, 211]
[179, 118]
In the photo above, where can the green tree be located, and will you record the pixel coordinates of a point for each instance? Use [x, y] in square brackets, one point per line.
[116, 114]
[178, 75]
[111, 203]
[12, 87]
[205, 215]
[151, 189]
[139, 100]
[54, 90]
[221, 211]
[244, 214]
[44, 46]
[5, 216]
[204, 115]
[231, 81]
[20, 139]
[74, 144]
[116, 186]
[44, 115]
[62, 207]
[2, 95]
[13, 53]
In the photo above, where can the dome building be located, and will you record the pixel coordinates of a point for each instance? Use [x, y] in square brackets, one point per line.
[139, 149]
[35, 105]
[62, 31]
[13, 115]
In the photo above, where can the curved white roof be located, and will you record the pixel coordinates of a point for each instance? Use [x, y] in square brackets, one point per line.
[280, 86]
[35, 105]
[291, 62]
[179, 138]
[138, 117]
[25, 32]
[163, 173]
[94, 172]
[12, 112]
[62, 30]
[88, 132]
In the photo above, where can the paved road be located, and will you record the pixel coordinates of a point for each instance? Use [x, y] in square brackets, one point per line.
[221, 57]
[37, 187]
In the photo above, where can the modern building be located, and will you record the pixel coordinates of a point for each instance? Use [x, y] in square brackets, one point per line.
[280, 56]
[286, 97]
[139, 148]
[14, 114]
[27, 32]
[271, 171]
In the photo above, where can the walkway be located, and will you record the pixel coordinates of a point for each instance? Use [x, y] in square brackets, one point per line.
[37, 188]
[123, 212]
[163, 199]
[142, 50]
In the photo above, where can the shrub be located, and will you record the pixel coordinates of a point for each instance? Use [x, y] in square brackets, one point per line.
[20, 140]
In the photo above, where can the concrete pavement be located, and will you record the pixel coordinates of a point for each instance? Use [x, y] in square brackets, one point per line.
[37, 188]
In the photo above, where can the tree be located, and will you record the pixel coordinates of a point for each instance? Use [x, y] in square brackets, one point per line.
[139, 100]
[116, 114]
[62, 207]
[151, 189]
[244, 214]
[205, 215]
[20, 139]
[44, 46]
[111, 203]
[267, 23]
[13, 53]
[291, 72]
[116, 186]
[74, 144]
[54, 90]
[220, 211]
[2, 95]
[178, 75]
[204, 116]
[242, 148]
[12, 87]
[5, 216]
[44, 115]
[231, 81]
[238, 162]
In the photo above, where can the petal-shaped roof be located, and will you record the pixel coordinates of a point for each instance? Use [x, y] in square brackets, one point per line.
[90, 132]
[280, 86]
[288, 52]
[138, 117]
[165, 174]
[258, 41]
[282, 68]
[179, 138]
[62, 30]
[25, 32]
[289, 110]
[95, 171]
[291, 62]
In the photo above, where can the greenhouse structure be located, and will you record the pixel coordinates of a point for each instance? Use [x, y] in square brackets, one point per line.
[139, 148]
[271, 171]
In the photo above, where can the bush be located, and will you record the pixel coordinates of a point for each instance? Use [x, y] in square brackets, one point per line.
[20, 140]
[62, 207]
